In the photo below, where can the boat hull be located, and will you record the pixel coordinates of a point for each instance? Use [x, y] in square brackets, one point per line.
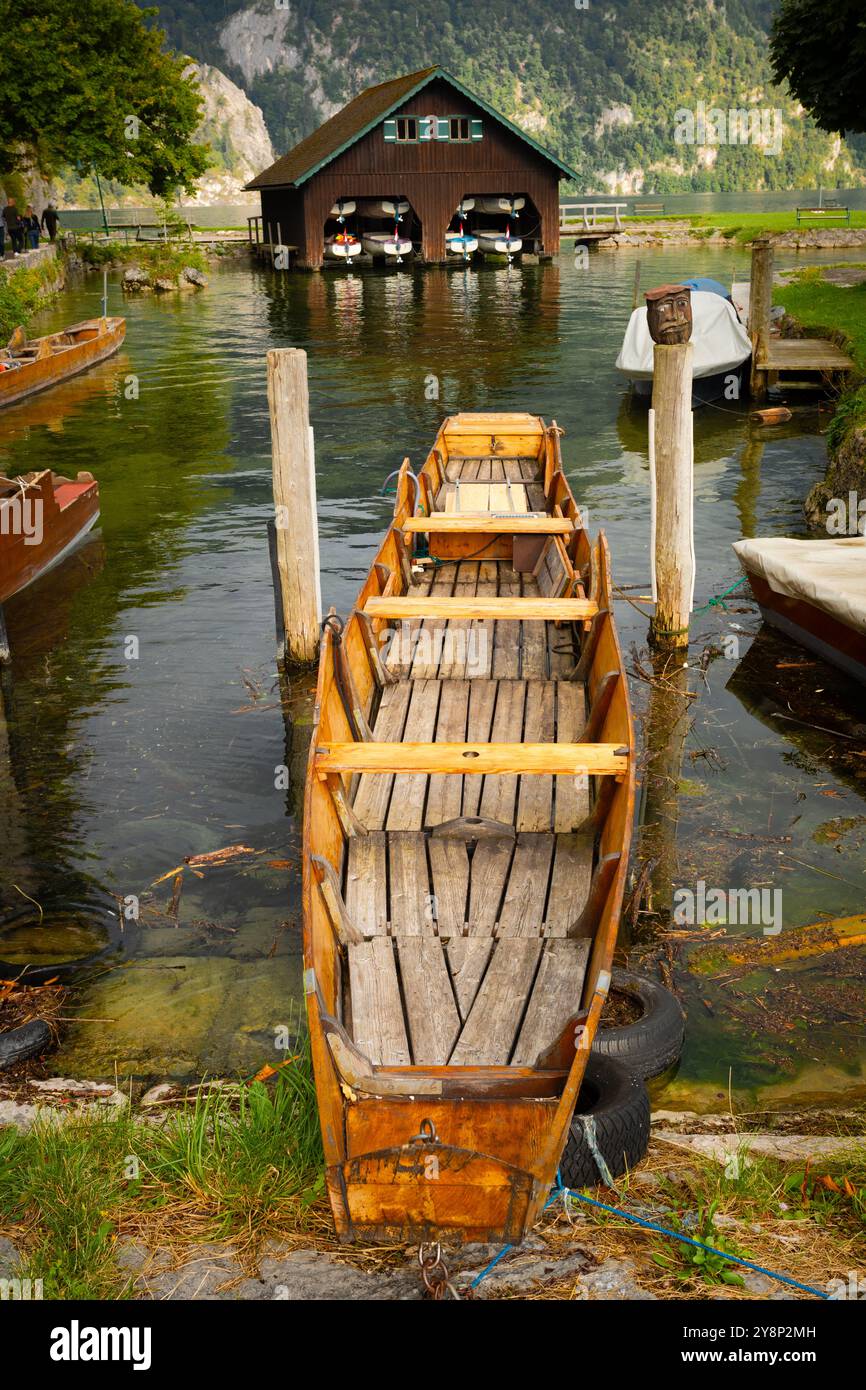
[812, 627]
[63, 511]
[100, 339]
[389, 247]
[342, 251]
[715, 387]
[497, 205]
[495, 244]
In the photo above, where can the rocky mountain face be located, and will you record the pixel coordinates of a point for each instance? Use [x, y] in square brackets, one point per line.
[235, 129]
[605, 84]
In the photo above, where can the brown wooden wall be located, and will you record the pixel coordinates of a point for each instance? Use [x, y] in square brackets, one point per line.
[433, 175]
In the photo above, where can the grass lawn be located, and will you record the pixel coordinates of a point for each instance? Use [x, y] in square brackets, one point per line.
[817, 304]
[745, 226]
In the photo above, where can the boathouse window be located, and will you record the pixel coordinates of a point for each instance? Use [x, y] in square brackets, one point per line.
[408, 129]
[402, 128]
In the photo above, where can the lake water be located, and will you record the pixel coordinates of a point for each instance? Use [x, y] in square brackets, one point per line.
[143, 708]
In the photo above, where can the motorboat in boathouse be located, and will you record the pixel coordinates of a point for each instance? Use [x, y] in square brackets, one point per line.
[417, 167]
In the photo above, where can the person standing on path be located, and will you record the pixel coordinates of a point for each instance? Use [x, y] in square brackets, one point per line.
[31, 227]
[50, 218]
[12, 219]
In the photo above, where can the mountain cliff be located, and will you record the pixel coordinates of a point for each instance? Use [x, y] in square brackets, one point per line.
[603, 83]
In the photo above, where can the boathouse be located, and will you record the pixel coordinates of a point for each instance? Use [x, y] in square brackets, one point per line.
[423, 140]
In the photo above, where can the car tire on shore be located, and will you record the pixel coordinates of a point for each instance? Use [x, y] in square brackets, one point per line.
[612, 1116]
[655, 1040]
[25, 1041]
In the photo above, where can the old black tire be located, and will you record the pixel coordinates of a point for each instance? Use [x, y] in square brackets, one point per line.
[20, 1043]
[618, 1105]
[654, 1042]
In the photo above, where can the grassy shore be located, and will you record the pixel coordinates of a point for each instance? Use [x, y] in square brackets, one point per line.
[240, 1163]
[744, 227]
[162, 260]
[25, 291]
[242, 1166]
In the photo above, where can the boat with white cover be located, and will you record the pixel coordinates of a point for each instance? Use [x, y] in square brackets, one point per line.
[720, 342]
[814, 591]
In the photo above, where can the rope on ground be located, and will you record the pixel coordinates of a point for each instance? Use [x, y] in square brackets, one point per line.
[567, 1194]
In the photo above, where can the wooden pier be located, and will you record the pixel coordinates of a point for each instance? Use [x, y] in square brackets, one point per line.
[773, 356]
[598, 221]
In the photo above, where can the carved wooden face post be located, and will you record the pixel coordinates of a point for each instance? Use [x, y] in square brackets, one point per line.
[669, 314]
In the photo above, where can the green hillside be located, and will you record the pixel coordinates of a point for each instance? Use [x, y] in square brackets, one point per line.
[600, 86]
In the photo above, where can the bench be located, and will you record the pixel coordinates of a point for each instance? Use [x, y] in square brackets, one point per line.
[830, 212]
[520, 609]
[491, 524]
[647, 207]
[560, 759]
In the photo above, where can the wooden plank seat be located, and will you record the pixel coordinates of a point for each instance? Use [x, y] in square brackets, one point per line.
[593, 759]
[517, 609]
[533, 524]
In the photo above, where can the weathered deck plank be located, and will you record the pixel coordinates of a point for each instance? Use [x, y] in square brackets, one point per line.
[555, 998]
[489, 1032]
[377, 1012]
[367, 883]
[374, 790]
[406, 810]
[431, 1010]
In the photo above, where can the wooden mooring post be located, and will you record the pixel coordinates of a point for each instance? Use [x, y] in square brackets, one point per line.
[760, 306]
[296, 530]
[672, 459]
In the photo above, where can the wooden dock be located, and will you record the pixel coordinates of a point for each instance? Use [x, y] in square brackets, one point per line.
[801, 355]
[772, 357]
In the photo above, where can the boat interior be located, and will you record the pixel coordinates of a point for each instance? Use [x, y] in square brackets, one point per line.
[471, 780]
[20, 351]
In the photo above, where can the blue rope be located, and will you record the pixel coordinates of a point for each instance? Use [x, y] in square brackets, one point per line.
[566, 1192]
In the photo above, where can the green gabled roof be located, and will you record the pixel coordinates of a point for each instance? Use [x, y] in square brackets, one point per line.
[361, 115]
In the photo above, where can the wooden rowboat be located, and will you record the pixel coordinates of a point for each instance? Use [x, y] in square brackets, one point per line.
[27, 367]
[466, 828]
[43, 516]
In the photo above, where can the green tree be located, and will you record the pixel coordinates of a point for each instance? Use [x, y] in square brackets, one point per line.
[820, 49]
[88, 83]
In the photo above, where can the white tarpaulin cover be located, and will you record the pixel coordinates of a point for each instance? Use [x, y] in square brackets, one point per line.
[720, 341]
[830, 574]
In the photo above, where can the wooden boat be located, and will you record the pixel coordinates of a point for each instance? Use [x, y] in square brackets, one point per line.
[43, 516]
[26, 367]
[815, 592]
[386, 244]
[343, 247]
[343, 208]
[497, 242]
[461, 244]
[466, 827]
